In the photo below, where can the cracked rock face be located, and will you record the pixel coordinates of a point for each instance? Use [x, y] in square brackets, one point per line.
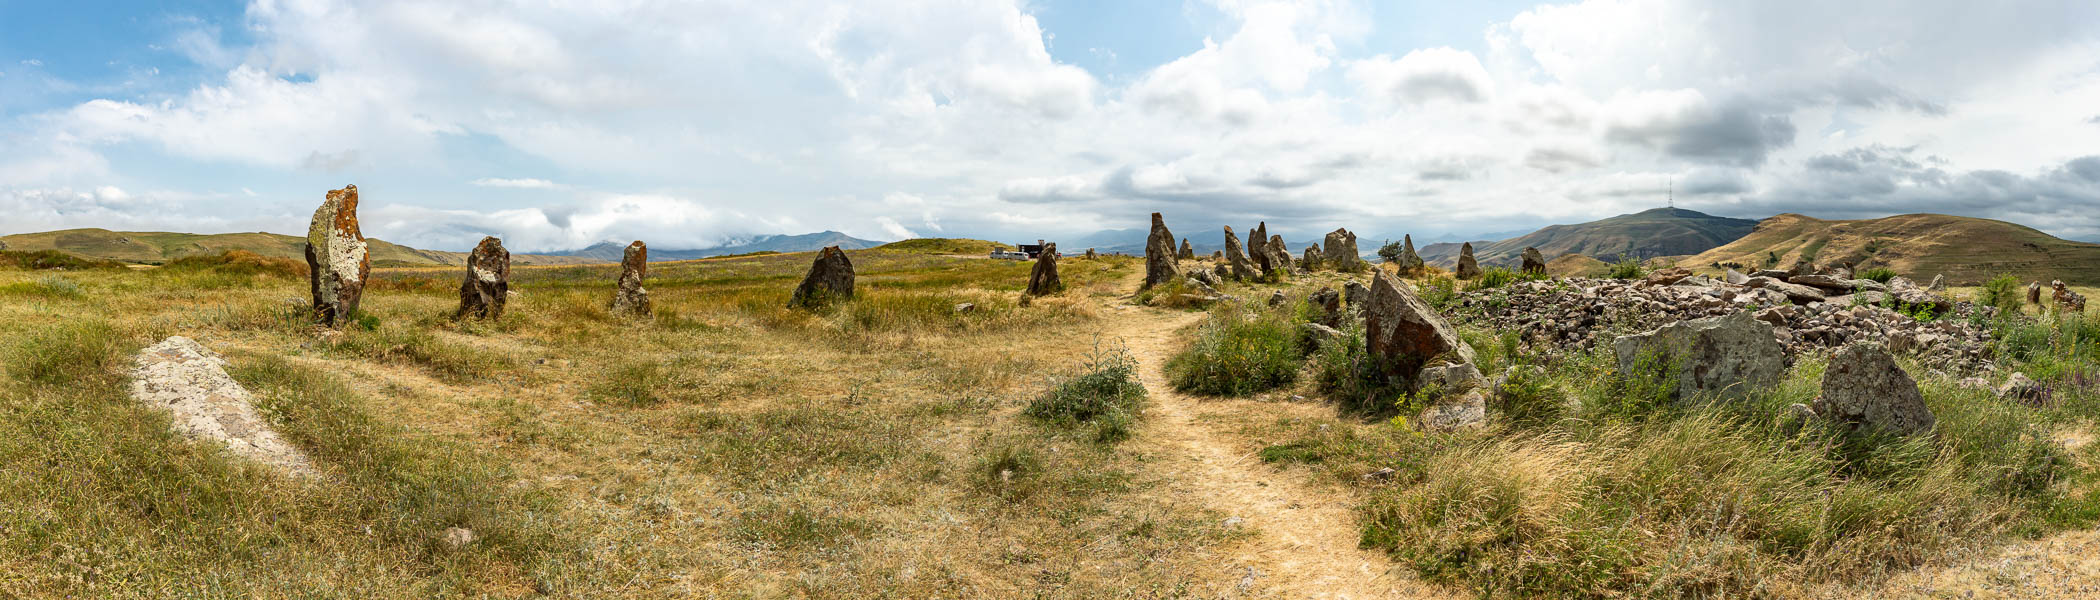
[1863, 386]
[629, 298]
[1534, 262]
[1043, 280]
[487, 283]
[190, 382]
[1161, 265]
[337, 260]
[1340, 246]
[830, 279]
[1727, 356]
[1402, 333]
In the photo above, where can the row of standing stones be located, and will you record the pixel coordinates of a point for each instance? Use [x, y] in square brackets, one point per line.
[1714, 350]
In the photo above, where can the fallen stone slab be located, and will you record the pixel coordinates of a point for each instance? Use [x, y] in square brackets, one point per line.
[190, 382]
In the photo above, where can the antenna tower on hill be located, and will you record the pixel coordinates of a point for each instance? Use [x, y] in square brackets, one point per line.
[1671, 198]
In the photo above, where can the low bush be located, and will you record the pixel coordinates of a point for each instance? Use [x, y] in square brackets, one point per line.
[2004, 293]
[53, 260]
[1106, 396]
[1239, 351]
[1880, 274]
[1627, 267]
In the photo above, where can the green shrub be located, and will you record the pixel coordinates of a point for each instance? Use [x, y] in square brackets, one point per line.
[1880, 274]
[1106, 396]
[1627, 267]
[1389, 251]
[239, 262]
[1238, 352]
[65, 353]
[1439, 292]
[2004, 293]
[52, 259]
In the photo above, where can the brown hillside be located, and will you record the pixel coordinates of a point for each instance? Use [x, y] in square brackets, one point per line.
[1967, 250]
[1576, 265]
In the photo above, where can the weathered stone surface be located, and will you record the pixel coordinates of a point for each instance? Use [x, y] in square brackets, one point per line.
[1467, 267]
[1864, 386]
[2022, 388]
[1241, 266]
[1161, 267]
[2066, 300]
[830, 279]
[1279, 256]
[1467, 411]
[1402, 332]
[1939, 283]
[1668, 276]
[1090, 254]
[628, 296]
[1355, 293]
[1823, 282]
[457, 538]
[1734, 277]
[1043, 280]
[1726, 356]
[1409, 260]
[1330, 305]
[1258, 247]
[487, 283]
[1340, 250]
[1315, 334]
[337, 261]
[1534, 262]
[1277, 298]
[1188, 252]
[2034, 293]
[1312, 258]
[1798, 294]
[190, 382]
[1910, 293]
[1452, 377]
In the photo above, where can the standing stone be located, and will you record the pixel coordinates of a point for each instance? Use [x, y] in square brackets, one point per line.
[337, 262]
[1340, 247]
[2066, 300]
[1161, 267]
[1330, 304]
[1864, 386]
[1467, 267]
[1534, 262]
[1355, 293]
[830, 279]
[2034, 293]
[1043, 280]
[1403, 333]
[1258, 247]
[1089, 253]
[487, 283]
[1280, 255]
[1241, 267]
[1312, 258]
[1939, 283]
[1728, 356]
[628, 297]
[1409, 260]
[1187, 252]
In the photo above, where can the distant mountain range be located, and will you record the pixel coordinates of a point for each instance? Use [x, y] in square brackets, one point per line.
[1646, 234]
[613, 251]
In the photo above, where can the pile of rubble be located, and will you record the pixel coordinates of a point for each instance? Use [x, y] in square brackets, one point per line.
[1809, 311]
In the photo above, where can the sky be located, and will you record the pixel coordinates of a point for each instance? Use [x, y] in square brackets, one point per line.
[558, 124]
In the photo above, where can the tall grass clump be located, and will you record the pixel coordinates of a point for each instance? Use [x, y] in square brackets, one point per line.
[1495, 277]
[1627, 267]
[1879, 274]
[1238, 351]
[1343, 370]
[1106, 396]
[2004, 293]
[36, 260]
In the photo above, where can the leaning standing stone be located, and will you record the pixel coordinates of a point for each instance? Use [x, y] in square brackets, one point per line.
[488, 281]
[336, 259]
[830, 279]
[628, 297]
[1043, 279]
[1161, 267]
[2034, 293]
[1534, 262]
[1864, 386]
[1467, 267]
[1242, 268]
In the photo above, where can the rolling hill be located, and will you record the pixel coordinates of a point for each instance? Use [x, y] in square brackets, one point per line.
[1919, 246]
[612, 251]
[1646, 234]
[155, 247]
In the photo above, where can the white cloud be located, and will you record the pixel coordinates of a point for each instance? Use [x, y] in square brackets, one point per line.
[525, 183]
[1426, 75]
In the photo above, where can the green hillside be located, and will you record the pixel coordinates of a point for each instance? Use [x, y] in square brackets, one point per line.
[155, 247]
[1967, 250]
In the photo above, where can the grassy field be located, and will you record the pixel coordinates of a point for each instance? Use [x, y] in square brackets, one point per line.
[728, 447]
[1077, 446]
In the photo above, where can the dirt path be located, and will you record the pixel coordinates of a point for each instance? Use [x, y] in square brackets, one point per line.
[1304, 542]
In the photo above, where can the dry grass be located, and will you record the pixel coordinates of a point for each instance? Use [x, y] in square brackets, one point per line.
[727, 447]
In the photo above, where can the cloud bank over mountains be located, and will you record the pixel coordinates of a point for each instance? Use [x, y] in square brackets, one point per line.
[689, 124]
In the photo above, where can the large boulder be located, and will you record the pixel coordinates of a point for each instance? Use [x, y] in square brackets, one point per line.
[1467, 267]
[1409, 260]
[2066, 300]
[1534, 262]
[189, 381]
[337, 261]
[830, 279]
[1241, 267]
[1161, 266]
[1403, 333]
[1329, 303]
[1726, 356]
[628, 296]
[1466, 411]
[487, 282]
[1279, 255]
[1863, 386]
[1312, 258]
[1187, 252]
[1043, 279]
[1798, 294]
[1340, 249]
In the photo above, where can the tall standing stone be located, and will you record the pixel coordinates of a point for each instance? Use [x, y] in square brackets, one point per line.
[628, 297]
[830, 279]
[1863, 385]
[1402, 333]
[1043, 279]
[1534, 262]
[1237, 259]
[2034, 293]
[1340, 247]
[1187, 252]
[1312, 258]
[1467, 267]
[1409, 260]
[1279, 255]
[1160, 265]
[337, 262]
[1258, 247]
[487, 283]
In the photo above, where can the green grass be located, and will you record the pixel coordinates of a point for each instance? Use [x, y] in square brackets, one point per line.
[1239, 350]
[1627, 267]
[1880, 274]
[1106, 397]
[52, 260]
